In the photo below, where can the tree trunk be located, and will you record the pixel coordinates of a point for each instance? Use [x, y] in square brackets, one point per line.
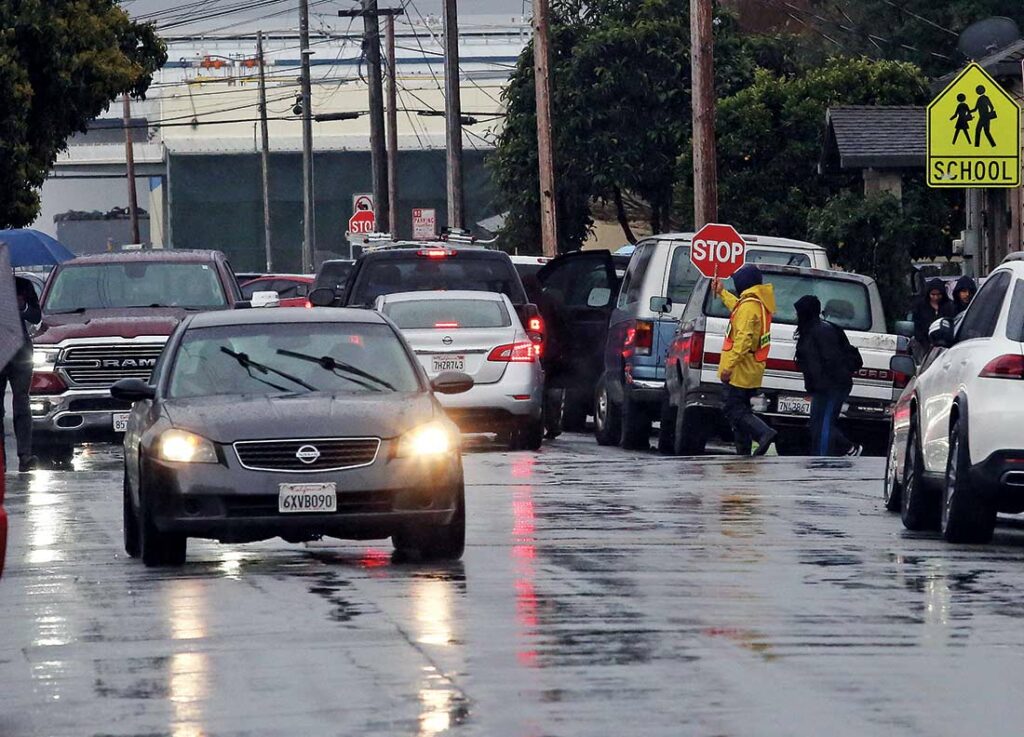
[620, 212]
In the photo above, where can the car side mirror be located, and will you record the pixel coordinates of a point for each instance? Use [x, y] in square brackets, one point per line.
[903, 365]
[905, 328]
[322, 297]
[941, 333]
[132, 390]
[452, 382]
[599, 297]
[266, 299]
[661, 305]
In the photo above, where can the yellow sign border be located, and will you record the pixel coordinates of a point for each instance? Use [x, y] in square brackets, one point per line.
[928, 135]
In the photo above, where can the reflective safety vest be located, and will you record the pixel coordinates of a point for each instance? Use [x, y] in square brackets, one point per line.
[765, 342]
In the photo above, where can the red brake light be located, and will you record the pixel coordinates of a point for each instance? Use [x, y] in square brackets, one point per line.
[522, 352]
[446, 324]
[695, 350]
[46, 382]
[1010, 366]
[639, 339]
[435, 253]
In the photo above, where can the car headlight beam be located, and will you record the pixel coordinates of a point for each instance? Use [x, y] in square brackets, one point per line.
[45, 359]
[429, 440]
[181, 446]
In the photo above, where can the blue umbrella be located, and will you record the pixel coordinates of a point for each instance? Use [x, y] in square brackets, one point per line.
[31, 248]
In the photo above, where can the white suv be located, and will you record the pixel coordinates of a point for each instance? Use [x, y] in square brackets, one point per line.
[956, 456]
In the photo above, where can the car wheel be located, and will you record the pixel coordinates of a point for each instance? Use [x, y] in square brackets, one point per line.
[574, 413]
[689, 438]
[636, 425]
[158, 548]
[918, 506]
[966, 518]
[892, 489]
[667, 430]
[131, 522]
[607, 421]
[441, 542]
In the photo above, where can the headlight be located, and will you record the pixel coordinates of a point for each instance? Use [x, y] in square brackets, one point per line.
[45, 359]
[182, 446]
[432, 439]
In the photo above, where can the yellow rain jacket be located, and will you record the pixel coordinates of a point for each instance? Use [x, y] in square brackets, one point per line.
[746, 325]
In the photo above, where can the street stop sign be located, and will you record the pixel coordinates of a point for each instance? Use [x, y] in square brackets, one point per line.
[362, 221]
[717, 250]
[973, 134]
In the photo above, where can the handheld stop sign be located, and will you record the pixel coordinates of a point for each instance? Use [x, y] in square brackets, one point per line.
[718, 251]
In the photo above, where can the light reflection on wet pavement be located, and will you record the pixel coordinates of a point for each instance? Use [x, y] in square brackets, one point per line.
[602, 592]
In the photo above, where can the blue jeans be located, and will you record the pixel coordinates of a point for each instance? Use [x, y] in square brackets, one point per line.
[824, 425]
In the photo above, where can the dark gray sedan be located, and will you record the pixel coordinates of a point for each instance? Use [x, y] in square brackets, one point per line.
[292, 423]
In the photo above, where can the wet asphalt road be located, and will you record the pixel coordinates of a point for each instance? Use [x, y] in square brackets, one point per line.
[602, 592]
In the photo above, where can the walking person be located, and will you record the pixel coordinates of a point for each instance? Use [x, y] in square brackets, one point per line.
[18, 373]
[828, 362]
[963, 117]
[551, 358]
[986, 114]
[963, 293]
[933, 306]
[744, 355]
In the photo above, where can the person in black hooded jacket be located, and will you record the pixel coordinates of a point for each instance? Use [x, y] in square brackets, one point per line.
[963, 293]
[824, 354]
[932, 306]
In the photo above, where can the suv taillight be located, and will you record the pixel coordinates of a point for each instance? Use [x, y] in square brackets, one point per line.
[639, 339]
[1010, 366]
[522, 352]
[695, 350]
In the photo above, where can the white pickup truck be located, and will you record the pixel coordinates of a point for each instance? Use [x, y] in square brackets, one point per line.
[692, 413]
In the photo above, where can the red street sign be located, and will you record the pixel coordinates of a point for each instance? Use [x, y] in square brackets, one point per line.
[362, 221]
[717, 250]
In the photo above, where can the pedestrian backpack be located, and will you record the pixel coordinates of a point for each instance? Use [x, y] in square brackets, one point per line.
[852, 360]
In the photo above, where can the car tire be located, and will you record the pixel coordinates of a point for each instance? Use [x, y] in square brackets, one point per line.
[667, 429]
[158, 548]
[574, 413]
[440, 542]
[689, 438]
[919, 508]
[636, 425]
[892, 486]
[607, 420]
[966, 516]
[130, 517]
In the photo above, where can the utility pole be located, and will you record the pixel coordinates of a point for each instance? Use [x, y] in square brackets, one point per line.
[265, 155]
[308, 230]
[392, 126]
[705, 167]
[453, 115]
[545, 144]
[129, 157]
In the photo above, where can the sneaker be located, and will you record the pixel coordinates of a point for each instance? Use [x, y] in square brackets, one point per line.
[856, 450]
[27, 463]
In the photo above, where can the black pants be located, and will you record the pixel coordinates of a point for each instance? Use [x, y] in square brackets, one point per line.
[746, 426]
[826, 437]
[18, 373]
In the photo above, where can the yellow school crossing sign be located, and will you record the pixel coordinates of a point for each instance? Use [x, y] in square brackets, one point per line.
[973, 134]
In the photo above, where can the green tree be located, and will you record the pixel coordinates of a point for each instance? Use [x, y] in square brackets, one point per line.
[868, 235]
[61, 64]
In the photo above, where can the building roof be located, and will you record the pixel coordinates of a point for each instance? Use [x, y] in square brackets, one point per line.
[1004, 62]
[873, 137]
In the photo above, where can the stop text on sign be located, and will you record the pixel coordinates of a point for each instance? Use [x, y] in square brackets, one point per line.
[717, 251]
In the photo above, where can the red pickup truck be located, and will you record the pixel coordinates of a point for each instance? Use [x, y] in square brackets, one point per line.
[106, 317]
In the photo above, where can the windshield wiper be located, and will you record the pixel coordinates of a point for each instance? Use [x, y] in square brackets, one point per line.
[332, 364]
[161, 306]
[247, 363]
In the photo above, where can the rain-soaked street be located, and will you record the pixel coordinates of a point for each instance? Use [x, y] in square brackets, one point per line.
[602, 592]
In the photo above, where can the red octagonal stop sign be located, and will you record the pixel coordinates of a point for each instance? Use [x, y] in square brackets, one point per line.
[717, 250]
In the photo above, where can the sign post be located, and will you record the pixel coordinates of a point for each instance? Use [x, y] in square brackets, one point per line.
[973, 133]
[424, 224]
[717, 251]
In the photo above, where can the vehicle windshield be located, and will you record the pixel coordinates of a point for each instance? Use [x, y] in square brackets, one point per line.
[286, 358]
[448, 313]
[844, 303]
[135, 284]
[416, 273]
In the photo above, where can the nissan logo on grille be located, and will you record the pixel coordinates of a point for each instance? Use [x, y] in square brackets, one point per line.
[308, 454]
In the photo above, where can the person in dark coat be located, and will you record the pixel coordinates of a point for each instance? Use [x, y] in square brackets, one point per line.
[824, 355]
[18, 373]
[551, 358]
[935, 304]
[963, 293]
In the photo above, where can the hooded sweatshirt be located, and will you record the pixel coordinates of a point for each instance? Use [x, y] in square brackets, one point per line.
[964, 282]
[747, 327]
[822, 349]
[925, 315]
